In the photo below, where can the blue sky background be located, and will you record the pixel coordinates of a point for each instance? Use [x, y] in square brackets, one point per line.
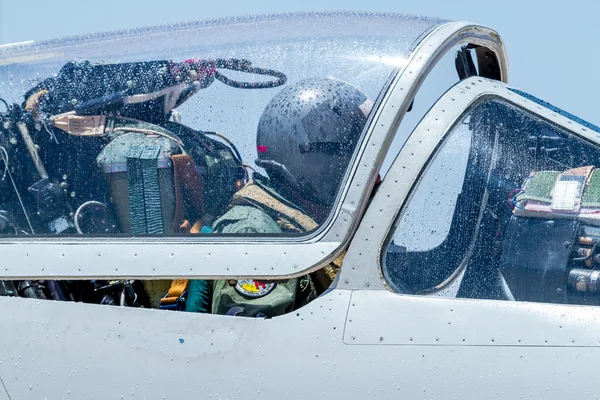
[553, 46]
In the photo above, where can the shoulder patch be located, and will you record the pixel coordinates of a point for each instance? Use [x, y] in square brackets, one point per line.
[252, 288]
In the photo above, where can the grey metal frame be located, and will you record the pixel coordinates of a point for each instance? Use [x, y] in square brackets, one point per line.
[218, 257]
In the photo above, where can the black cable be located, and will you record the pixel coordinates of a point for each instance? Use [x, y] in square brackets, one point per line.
[228, 141]
[281, 79]
[590, 255]
[5, 103]
[241, 65]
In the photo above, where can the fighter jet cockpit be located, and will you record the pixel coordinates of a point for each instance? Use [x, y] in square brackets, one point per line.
[232, 129]
[506, 209]
[222, 132]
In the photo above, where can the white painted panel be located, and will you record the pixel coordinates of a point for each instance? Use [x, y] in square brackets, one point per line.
[381, 317]
[60, 350]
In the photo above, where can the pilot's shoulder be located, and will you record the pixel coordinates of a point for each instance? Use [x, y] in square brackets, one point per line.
[245, 219]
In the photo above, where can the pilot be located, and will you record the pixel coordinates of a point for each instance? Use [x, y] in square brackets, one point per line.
[306, 137]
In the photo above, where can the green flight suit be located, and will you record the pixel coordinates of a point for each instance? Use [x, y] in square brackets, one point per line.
[257, 208]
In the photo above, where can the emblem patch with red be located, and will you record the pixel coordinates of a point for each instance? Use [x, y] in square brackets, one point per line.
[253, 288]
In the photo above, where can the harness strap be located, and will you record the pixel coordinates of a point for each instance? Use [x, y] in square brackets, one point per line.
[188, 189]
[178, 287]
[251, 193]
[144, 192]
[137, 212]
[154, 223]
[293, 220]
[186, 180]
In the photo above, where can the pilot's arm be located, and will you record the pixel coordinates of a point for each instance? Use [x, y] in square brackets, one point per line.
[239, 220]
